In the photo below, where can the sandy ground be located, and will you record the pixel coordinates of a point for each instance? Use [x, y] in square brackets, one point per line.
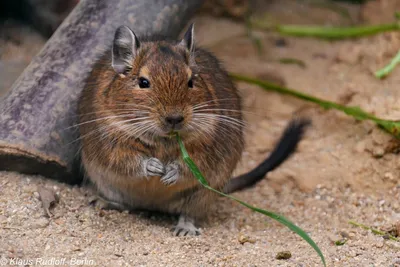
[343, 170]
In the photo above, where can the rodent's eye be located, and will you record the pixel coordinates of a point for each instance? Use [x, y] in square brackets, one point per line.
[190, 83]
[144, 83]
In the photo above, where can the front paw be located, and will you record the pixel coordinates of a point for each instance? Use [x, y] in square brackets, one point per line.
[154, 167]
[171, 174]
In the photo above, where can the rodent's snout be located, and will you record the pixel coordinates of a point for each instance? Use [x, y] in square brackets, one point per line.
[174, 121]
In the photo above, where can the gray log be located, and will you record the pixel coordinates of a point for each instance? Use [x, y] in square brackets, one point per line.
[38, 114]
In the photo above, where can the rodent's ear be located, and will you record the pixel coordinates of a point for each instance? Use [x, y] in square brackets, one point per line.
[188, 39]
[124, 49]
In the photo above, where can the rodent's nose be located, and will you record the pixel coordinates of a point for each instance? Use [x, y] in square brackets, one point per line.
[174, 120]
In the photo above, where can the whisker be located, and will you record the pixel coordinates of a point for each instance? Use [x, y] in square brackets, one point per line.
[105, 118]
[220, 109]
[97, 130]
[225, 130]
[110, 111]
[132, 105]
[220, 117]
[131, 129]
[215, 100]
[145, 130]
[106, 129]
[247, 109]
[230, 110]
[219, 129]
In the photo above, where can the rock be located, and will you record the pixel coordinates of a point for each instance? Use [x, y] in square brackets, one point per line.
[283, 255]
[245, 239]
[380, 244]
[378, 152]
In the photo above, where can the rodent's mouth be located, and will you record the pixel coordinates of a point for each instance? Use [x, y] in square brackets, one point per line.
[171, 133]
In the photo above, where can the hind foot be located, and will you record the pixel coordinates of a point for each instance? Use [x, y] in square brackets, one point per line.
[186, 227]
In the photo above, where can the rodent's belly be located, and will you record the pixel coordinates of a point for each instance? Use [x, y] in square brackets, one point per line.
[138, 192]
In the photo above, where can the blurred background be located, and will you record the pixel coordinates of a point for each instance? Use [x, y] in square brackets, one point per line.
[25, 25]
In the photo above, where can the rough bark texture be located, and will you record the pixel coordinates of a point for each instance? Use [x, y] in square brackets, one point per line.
[37, 133]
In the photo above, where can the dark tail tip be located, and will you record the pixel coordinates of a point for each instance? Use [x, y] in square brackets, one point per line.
[285, 147]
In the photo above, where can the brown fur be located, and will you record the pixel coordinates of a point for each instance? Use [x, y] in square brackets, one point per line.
[112, 154]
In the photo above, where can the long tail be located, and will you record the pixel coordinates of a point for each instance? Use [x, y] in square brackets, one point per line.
[286, 146]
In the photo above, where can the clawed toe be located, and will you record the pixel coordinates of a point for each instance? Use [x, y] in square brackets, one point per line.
[154, 167]
[179, 231]
[171, 175]
[186, 227]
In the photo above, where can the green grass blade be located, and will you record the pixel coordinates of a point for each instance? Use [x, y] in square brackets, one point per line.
[375, 231]
[192, 166]
[197, 173]
[382, 73]
[393, 127]
[330, 33]
[288, 60]
[335, 32]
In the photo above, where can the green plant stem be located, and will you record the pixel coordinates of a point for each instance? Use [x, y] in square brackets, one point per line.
[287, 60]
[377, 232]
[197, 173]
[325, 32]
[382, 73]
[393, 127]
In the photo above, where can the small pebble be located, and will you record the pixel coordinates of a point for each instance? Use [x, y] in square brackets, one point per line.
[379, 244]
[378, 152]
[283, 255]
[344, 234]
[389, 176]
[245, 239]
